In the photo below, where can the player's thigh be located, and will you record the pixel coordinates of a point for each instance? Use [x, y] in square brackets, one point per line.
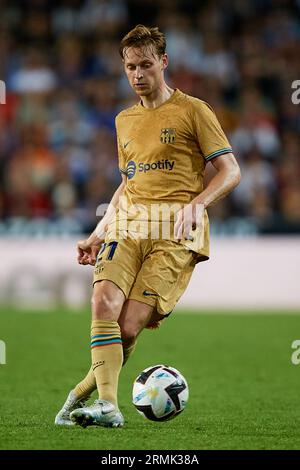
[107, 301]
[164, 276]
[134, 317]
[118, 261]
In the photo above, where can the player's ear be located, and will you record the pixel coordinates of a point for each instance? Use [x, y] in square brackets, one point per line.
[164, 61]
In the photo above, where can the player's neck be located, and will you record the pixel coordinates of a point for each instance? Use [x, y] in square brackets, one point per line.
[158, 97]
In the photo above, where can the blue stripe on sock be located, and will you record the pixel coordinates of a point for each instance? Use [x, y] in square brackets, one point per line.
[109, 341]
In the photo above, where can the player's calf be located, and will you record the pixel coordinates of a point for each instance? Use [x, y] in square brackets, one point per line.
[128, 348]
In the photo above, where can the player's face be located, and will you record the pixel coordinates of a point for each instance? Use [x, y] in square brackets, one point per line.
[144, 69]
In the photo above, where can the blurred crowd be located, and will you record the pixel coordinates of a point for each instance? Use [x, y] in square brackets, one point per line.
[65, 84]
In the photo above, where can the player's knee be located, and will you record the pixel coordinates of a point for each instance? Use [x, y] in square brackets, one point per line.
[105, 306]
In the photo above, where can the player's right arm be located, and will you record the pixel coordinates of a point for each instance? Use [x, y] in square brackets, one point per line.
[87, 250]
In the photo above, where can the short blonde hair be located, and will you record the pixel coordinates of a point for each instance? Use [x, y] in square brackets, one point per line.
[142, 36]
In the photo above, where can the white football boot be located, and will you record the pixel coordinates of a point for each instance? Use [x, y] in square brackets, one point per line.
[72, 403]
[101, 413]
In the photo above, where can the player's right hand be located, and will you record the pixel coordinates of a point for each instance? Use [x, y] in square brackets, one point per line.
[87, 251]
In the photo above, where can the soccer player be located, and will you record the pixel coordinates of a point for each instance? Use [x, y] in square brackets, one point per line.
[164, 144]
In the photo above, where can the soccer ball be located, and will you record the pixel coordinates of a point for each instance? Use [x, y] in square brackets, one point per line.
[160, 393]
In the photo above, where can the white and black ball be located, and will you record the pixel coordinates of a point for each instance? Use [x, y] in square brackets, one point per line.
[160, 393]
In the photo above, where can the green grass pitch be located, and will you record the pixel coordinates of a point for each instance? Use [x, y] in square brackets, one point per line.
[244, 389]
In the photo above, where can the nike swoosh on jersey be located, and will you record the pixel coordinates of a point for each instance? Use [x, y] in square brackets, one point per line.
[125, 145]
[147, 293]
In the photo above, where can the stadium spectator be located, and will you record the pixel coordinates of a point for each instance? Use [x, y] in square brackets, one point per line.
[65, 86]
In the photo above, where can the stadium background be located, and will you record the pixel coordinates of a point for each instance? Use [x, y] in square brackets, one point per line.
[58, 162]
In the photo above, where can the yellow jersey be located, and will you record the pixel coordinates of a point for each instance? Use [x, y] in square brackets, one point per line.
[163, 152]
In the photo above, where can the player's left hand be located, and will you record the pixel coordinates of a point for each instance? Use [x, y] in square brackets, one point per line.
[187, 219]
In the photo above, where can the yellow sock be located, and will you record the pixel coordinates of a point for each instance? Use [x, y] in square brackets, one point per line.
[107, 358]
[86, 386]
[128, 349]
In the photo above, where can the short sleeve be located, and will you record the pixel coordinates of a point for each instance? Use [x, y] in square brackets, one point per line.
[211, 138]
[121, 157]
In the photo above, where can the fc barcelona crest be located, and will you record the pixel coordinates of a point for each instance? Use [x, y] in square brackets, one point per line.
[168, 135]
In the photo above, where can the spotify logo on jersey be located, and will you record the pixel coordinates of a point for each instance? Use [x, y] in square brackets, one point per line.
[131, 169]
[145, 167]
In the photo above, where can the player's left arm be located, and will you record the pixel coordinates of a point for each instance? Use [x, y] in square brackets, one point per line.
[225, 180]
[227, 177]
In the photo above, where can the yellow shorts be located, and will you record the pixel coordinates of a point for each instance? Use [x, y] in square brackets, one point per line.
[155, 272]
